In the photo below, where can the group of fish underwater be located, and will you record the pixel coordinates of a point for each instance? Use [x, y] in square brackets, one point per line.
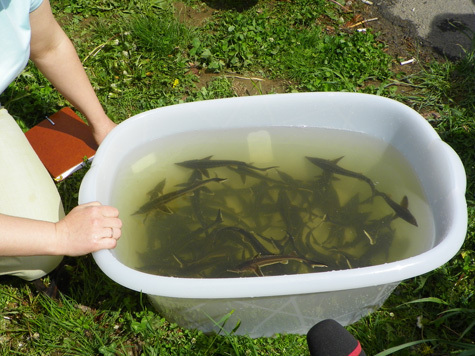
[230, 218]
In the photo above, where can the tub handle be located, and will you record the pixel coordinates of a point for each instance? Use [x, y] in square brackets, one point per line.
[456, 166]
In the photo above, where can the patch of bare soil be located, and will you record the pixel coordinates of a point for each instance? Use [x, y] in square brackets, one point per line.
[247, 85]
[409, 52]
[194, 17]
[400, 38]
[242, 85]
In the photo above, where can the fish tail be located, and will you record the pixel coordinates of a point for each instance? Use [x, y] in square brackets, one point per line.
[266, 168]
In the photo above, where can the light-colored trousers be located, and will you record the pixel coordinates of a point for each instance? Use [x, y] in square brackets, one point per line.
[26, 190]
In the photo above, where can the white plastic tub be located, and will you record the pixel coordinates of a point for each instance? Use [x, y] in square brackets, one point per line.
[289, 303]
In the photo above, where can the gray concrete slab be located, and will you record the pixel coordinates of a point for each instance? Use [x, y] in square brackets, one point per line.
[446, 25]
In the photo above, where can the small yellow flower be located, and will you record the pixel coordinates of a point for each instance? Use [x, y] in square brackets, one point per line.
[175, 83]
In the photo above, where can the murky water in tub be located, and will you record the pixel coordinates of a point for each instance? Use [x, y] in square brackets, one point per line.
[266, 202]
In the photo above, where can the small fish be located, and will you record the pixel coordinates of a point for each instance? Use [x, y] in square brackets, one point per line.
[248, 237]
[197, 208]
[325, 197]
[260, 194]
[191, 237]
[289, 214]
[218, 220]
[198, 268]
[159, 202]
[333, 167]
[340, 258]
[194, 176]
[260, 261]
[203, 164]
[401, 209]
[290, 243]
[245, 171]
[349, 214]
[293, 184]
[157, 190]
[287, 178]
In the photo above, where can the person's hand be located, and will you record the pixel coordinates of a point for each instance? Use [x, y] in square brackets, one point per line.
[88, 228]
[101, 131]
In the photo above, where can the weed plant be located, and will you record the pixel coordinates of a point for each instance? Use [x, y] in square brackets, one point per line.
[141, 55]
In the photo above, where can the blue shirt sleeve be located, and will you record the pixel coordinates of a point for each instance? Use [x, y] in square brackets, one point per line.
[15, 34]
[34, 4]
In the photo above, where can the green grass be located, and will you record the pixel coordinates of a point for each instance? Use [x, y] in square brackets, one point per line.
[139, 57]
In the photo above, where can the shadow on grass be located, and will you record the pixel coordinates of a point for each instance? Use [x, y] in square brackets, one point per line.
[451, 33]
[82, 280]
[29, 103]
[238, 5]
[457, 128]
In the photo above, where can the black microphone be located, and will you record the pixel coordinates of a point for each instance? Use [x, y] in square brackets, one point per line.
[329, 338]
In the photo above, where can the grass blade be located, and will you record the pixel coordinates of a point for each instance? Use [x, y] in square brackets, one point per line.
[394, 349]
[427, 300]
[469, 352]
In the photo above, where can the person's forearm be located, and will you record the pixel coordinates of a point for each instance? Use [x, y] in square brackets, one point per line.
[26, 237]
[87, 228]
[62, 67]
[55, 56]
